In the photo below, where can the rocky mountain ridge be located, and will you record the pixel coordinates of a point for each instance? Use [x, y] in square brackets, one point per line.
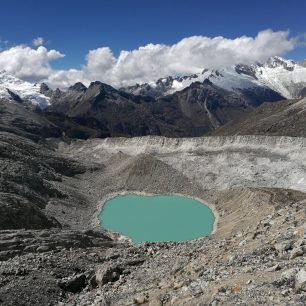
[193, 111]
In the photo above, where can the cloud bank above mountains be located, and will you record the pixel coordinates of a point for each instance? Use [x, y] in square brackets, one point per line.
[148, 63]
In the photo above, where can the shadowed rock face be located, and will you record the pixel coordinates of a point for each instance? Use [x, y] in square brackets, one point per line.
[28, 174]
[18, 119]
[286, 118]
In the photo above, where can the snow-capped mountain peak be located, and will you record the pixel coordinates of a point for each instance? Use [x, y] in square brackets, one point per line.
[283, 76]
[279, 62]
[14, 89]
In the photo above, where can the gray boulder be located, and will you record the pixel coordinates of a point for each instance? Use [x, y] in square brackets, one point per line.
[108, 274]
[73, 283]
[300, 280]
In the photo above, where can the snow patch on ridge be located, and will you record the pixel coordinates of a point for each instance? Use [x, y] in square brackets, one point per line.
[25, 90]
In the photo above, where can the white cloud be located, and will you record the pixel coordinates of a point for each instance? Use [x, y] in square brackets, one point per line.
[27, 63]
[39, 41]
[190, 55]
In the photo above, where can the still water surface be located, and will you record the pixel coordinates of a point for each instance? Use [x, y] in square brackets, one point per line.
[157, 218]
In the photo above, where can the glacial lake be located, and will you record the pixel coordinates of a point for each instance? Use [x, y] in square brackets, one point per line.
[157, 218]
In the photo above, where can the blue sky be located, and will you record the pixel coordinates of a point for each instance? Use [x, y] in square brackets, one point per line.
[123, 42]
[73, 26]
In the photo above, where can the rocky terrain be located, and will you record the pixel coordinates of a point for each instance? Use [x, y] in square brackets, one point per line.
[53, 251]
[251, 261]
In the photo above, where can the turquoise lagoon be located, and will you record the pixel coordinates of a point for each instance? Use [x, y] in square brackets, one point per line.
[157, 218]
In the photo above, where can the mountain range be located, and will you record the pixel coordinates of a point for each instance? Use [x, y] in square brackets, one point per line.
[184, 106]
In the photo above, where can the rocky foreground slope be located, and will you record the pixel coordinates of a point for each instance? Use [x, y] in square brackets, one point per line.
[56, 253]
